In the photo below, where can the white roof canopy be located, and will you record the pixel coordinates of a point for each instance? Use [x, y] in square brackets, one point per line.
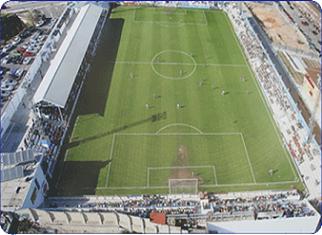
[59, 79]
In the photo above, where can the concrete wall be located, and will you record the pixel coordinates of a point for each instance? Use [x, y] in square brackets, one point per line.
[40, 192]
[283, 225]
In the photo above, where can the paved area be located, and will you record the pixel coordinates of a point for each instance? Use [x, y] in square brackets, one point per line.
[312, 27]
[278, 27]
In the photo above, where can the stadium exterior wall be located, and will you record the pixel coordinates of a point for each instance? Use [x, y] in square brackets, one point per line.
[283, 225]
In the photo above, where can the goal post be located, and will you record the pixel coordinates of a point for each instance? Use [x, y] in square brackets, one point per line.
[183, 186]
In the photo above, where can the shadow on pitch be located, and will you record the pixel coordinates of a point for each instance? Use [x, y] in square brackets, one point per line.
[94, 94]
[110, 132]
[152, 118]
[80, 177]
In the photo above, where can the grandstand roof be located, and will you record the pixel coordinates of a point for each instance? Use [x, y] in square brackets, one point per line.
[59, 79]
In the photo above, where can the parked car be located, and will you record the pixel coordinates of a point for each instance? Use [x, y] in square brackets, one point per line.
[27, 60]
[40, 23]
[5, 95]
[2, 71]
[24, 47]
[29, 53]
[314, 32]
[15, 59]
[19, 73]
[41, 38]
[13, 71]
[7, 48]
[25, 34]
[6, 59]
[6, 87]
[16, 40]
[9, 82]
[3, 54]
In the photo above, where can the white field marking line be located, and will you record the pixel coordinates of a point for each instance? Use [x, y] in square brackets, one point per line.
[176, 63]
[200, 133]
[212, 167]
[205, 17]
[247, 156]
[110, 163]
[74, 127]
[177, 167]
[177, 13]
[180, 167]
[134, 187]
[263, 99]
[180, 134]
[204, 185]
[195, 134]
[185, 179]
[215, 174]
[169, 23]
[134, 15]
[152, 63]
[148, 177]
[250, 184]
[178, 124]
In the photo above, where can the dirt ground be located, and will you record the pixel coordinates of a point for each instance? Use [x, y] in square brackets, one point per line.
[278, 28]
[182, 160]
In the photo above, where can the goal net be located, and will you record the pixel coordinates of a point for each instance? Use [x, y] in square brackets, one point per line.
[183, 186]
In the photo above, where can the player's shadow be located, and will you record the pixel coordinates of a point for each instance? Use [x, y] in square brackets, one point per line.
[79, 177]
[95, 91]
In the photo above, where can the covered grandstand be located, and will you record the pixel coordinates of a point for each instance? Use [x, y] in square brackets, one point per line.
[61, 75]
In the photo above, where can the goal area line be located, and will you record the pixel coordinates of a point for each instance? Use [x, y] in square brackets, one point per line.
[149, 169]
[202, 22]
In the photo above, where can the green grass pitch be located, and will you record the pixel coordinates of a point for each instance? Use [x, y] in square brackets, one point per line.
[164, 115]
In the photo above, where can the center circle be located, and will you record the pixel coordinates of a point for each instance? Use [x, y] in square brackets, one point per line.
[173, 64]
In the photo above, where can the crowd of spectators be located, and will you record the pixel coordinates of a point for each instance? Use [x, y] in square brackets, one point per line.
[183, 4]
[209, 206]
[267, 206]
[45, 133]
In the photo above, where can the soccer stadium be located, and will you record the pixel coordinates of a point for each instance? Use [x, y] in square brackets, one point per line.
[160, 117]
[182, 105]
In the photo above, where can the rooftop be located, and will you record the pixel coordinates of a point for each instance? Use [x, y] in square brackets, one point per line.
[17, 171]
[59, 79]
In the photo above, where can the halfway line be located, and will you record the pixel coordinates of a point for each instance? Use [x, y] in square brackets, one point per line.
[176, 63]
